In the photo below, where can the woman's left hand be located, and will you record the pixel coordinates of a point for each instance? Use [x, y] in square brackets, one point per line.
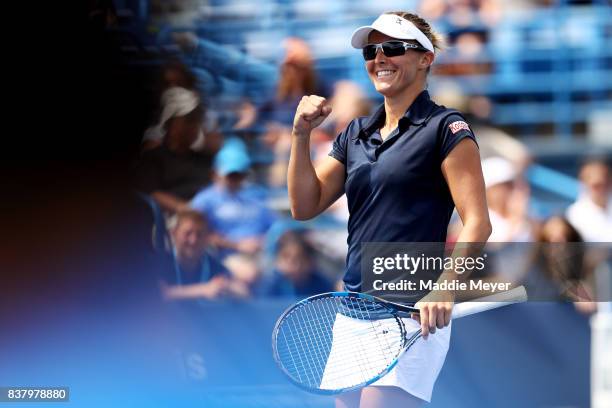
[435, 311]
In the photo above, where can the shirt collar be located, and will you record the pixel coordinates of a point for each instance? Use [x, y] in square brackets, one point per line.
[416, 114]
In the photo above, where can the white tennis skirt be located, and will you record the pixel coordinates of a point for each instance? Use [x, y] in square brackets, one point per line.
[417, 368]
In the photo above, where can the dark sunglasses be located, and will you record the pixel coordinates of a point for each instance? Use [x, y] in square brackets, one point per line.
[390, 49]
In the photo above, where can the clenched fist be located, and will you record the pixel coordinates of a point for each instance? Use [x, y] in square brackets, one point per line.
[311, 111]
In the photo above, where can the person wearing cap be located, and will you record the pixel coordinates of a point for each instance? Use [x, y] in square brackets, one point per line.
[172, 172]
[235, 209]
[507, 200]
[403, 169]
[178, 102]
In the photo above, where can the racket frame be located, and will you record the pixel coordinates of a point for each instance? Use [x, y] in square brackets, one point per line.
[395, 310]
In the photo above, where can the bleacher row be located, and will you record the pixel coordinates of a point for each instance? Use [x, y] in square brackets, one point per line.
[550, 76]
[550, 66]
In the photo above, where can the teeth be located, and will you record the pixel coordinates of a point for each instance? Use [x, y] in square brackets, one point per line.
[384, 73]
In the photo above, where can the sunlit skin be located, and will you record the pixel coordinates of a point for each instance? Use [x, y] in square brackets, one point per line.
[311, 191]
[190, 242]
[556, 230]
[596, 178]
[191, 238]
[406, 81]
[498, 197]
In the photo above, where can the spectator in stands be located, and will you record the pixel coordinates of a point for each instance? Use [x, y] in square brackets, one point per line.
[237, 72]
[230, 106]
[235, 209]
[175, 74]
[463, 13]
[297, 78]
[492, 140]
[468, 23]
[557, 268]
[172, 172]
[507, 202]
[348, 102]
[591, 214]
[295, 272]
[198, 274]
[467, 53]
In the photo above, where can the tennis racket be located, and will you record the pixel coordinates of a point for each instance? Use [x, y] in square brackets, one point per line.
[340, 341]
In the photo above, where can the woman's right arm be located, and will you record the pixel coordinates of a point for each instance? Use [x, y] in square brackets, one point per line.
[311, 191]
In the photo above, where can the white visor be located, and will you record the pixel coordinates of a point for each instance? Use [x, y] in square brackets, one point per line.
[393, 26]
[177, 101]
[497, 170]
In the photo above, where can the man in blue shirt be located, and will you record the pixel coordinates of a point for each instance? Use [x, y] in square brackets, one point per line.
[236, 212]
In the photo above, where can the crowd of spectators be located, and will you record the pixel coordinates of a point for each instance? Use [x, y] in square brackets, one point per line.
[216, 192]
[565, 248]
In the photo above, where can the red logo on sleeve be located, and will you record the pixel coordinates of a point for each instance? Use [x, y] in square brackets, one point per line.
[457, 126]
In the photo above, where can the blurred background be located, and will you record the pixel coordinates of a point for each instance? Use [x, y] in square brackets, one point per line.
[169, 250]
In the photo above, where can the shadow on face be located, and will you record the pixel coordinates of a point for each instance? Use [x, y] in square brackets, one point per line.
[182, 131]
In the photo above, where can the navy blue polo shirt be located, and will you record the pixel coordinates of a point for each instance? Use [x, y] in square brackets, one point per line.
[395, 188]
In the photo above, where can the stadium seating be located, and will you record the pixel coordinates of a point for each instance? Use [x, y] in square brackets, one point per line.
[551, 67]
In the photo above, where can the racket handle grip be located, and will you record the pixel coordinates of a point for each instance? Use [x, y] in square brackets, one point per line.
[516, 295]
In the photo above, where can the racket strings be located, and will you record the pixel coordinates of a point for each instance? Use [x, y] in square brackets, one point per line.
[315, 334]
[337, 342]
[364, 361]
[307, 337]
[350, 349]
[309, 361]
[368, 354]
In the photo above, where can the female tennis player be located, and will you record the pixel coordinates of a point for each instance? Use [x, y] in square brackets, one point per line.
[403, 170]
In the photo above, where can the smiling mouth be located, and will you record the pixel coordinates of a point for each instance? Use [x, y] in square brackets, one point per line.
[384, 73]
